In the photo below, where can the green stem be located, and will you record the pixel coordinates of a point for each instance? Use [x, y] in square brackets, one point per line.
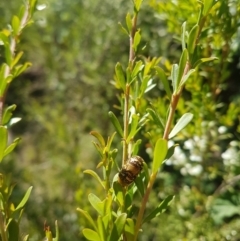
[173, 106]
[143, 205]
[125, 123]
[2, 227]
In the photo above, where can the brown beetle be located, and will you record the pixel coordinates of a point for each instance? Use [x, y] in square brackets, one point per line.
[130, 170]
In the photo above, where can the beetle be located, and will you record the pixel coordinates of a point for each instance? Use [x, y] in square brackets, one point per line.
[130, 170]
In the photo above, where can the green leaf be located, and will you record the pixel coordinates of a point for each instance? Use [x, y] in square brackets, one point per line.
[124, 30]
[98, 148]
[137, 68]
[174, 76]
[11, 147]
[137, 39]
[96, 203]
[120, 76]
[91, 235]
[162, 76]
[26, 238]
[129, 22]
[207, 6]
[192, 38]
[183, 121]
[118, 191]
[129, 229]
[25, 199]
[157, 120]
[99, 138]
[118, 227]
[135, 147]
[183, 35]
[8, 54]
[13, 231]
[134, 129]
[88, 217]
[109, 142]
[137, 5]
[3, 141]
[95, 175]
[4, 38]
[185, 78]
[16, 59]
[170, 151]
[8, 114]
[159, 209]
[56, 231]
[139, 182]
[203, 60]
[182, 65]
[159, 155]
[101, 229]
[106, 220]
[21, 68]
[144, 85]
[116, 123]
[15, 25]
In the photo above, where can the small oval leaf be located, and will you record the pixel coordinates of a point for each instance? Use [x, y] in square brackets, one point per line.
[160, 152]
[91, 235]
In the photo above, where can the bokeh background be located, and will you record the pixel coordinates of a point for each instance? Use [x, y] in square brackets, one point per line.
[73, 46]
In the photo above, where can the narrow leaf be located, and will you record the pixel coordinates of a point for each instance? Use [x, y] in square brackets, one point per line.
[203, 60]
[134, 125]
[137, 68]
[137, 39]
[186, 77]
[95, 175]
[8, 114]
[16, 59]
[25, 199]
[207, 6]
[121, 80]
[157, 120]
[192, 38]
[160, 152]
[183, 35]
[91, 235]
[116, 123]
[162, 76]
[160, 209]
[99, 137]
[13, 231]
[183, 121]
[182, 65]
[137, 5]
[15, 25]
[3, 141]
[118, 227]
[174, 76]
[88, 217]
[11, 147]
[129, 22]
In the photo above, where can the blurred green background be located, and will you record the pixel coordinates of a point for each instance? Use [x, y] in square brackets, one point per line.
[74, 46]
